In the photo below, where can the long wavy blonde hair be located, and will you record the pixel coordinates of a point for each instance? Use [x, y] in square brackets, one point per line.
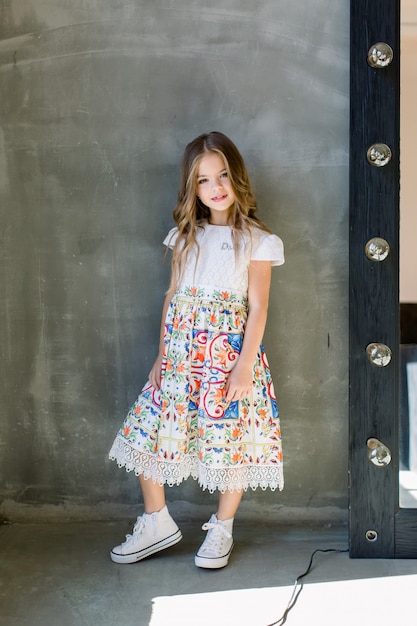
[190, 212]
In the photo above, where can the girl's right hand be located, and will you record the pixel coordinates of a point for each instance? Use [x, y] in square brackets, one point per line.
[155, 373]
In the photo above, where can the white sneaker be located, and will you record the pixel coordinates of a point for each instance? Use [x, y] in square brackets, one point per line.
[151, 533]
[218, 544]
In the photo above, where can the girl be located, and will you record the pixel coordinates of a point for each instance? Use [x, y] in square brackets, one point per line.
[208, 410]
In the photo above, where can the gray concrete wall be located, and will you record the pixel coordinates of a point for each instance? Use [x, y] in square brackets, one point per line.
[98, 99]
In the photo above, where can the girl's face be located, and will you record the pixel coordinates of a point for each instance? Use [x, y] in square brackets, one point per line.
[214, 188]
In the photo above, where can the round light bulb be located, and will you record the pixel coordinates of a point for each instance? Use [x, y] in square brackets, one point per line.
[380, 55]
[379, 154]
[378, 453]
[379, 354]
[377, 249]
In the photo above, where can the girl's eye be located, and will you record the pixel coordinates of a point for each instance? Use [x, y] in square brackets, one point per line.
[202, 180]
[224, 175]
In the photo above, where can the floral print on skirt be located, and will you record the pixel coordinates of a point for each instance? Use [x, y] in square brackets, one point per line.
[186, 428]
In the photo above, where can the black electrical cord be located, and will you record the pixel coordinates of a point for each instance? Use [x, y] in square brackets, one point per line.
[298, 587]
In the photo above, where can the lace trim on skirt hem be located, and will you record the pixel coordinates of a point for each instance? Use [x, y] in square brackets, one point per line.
[213, 479]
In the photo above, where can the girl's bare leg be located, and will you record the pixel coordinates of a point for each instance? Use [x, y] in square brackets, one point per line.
[228, 504]
[154, 499]
[153, 495]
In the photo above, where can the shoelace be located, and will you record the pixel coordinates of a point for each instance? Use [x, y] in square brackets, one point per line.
[140, 525]
[137, 529]
[212, 538]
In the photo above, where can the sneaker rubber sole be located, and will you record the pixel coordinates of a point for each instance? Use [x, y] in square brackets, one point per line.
[134, 557]
[213, 562]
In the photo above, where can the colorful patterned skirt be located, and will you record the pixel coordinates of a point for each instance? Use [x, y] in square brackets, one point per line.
[186, 428]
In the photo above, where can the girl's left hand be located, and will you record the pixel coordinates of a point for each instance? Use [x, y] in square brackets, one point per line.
[239, 383]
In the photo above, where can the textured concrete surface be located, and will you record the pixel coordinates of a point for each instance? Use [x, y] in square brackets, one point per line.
[61, 575]
[98, 99]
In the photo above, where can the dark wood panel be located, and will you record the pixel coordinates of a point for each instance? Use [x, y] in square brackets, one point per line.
[406, 534]
[373, 287]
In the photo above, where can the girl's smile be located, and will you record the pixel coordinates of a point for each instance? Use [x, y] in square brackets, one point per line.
[214, 187]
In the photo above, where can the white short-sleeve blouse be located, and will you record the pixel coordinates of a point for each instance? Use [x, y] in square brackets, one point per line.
[218, 264]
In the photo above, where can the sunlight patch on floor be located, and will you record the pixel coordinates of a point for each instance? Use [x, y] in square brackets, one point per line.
[389, 600]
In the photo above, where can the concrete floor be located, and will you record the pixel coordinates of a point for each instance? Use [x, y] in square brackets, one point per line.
[61, 575]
